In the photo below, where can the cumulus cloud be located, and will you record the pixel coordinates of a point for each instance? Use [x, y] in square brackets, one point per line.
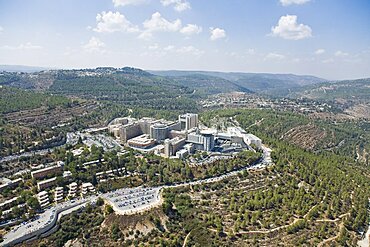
[118, 3]
[26, 46]
[274, 56]
[290, 2]
[159, 24]
[288, 28]
[319, 51]
[179, 5]
[109, 22]
[94, 45]
[217, 33]
[341, 54]
[191, 29]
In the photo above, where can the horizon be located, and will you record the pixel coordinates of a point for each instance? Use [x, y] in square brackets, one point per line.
[276, 36]
[42, 68]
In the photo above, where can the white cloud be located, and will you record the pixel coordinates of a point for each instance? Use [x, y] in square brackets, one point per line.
[169, 48]
[156, 50]
[288, 28]
[1, 29]
[118, 3]
[179, 5]
[251, 51]
[274, 56]
[153, 47]
[341, 54]
[159, 24]
[319, 51]
[290, 2]
[94, 45]
[26, 46]
[191, 29]
[329, 60]
[190, 50]
[217, 33]
[109, 22]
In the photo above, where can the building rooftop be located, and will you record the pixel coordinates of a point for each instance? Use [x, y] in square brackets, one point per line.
[252, 137]
[47, 181]
[46, 169]
[42, 193]
[141, 140]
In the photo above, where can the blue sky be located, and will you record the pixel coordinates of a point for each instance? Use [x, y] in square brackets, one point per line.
[326, 38]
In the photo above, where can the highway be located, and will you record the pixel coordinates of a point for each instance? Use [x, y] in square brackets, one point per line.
[123, 201]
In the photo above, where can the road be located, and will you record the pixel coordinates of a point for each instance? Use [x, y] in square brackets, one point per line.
[124, 201]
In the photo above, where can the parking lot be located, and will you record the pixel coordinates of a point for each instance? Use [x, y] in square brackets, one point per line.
[126, 201]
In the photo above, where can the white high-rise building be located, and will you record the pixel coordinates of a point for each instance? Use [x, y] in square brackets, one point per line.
[188, 121]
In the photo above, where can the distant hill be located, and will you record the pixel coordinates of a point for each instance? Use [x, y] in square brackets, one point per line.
[21, 68]
[207, 84]
[339, 90]
[132, 85]
[128, 86]
[351, 96]
[274, 84]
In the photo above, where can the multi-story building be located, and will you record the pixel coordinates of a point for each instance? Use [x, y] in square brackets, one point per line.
[86, 188]
[46, 183]
[58, 194]
[9, 203]
[43, 198]
[208, 141]
[161, 130]
[188, 121]
[72, 190]
[48, 171]
[11, 184]
[171, 146]
[143, 142]
[146, 123]
[129, 131]
[119, 121]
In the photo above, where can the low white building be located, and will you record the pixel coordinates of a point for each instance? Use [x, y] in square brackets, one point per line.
[252, 139]
[182, 153]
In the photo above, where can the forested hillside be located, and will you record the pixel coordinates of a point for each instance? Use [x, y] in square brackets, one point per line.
[12, 100]
[348, 138]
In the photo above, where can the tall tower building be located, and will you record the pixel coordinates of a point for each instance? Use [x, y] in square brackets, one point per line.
[188, 121]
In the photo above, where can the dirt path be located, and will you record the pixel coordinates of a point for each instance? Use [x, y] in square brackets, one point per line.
[334, 220]
[332, 238]
[256, 123]
[186, 239]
